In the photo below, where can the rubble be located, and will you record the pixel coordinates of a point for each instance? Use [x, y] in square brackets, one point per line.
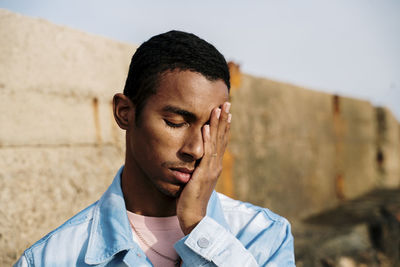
[361, 232]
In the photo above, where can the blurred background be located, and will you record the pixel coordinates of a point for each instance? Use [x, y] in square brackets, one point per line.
[315, 135]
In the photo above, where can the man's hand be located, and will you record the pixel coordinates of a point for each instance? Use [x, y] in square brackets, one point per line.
[192, 203]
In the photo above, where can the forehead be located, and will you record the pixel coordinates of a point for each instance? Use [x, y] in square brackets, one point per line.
[190, 91]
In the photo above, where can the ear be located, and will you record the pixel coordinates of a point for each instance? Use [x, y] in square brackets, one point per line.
[124, 111]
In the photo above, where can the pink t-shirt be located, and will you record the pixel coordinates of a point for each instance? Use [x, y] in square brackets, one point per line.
[161, 233]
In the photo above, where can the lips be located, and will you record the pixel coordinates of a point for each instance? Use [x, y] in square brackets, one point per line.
[182, 175]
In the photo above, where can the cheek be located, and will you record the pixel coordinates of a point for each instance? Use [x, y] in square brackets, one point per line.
[161, 142]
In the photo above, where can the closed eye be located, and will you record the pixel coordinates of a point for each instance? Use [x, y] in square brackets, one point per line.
[174, 125]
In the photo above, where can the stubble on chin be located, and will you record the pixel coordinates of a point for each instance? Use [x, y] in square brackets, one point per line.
[172, 193]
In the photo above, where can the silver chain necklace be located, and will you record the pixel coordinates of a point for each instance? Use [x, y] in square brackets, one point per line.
[176, 262]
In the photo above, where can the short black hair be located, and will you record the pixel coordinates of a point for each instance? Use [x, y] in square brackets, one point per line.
[169, 51]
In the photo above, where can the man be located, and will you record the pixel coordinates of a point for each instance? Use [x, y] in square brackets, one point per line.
[161, 208]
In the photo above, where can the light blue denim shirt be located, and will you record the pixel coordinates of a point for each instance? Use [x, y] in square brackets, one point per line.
[233, 233]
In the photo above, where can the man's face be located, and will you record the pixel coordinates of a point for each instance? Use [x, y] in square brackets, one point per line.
[167, 143]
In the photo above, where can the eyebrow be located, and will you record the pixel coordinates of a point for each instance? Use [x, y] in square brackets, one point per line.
[184, 113]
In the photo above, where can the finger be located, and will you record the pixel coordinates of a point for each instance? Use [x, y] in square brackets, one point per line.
[227, 130]
[223, 122]
[228, 125]
[208, 147]
[214, 121]
[230, 118]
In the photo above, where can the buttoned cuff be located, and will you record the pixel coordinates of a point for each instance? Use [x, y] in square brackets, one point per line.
[211, 242]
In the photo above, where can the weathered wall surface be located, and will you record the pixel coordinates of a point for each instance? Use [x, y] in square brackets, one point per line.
[300, 152]
[59, 145]
[293, 150]
[275, 145]
[388, 148]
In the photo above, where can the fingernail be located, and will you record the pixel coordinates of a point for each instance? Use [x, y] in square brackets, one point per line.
[229, 118]
[218, 112]
[227, 107]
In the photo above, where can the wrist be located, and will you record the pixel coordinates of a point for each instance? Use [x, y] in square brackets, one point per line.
[188, 227]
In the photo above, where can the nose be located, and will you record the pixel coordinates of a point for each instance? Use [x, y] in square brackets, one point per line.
[193, 147]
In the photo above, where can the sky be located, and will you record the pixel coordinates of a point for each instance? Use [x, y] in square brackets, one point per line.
[346, 47]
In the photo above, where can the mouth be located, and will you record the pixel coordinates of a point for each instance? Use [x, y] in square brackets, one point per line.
[182, 175]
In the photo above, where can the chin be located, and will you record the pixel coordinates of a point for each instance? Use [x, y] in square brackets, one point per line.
[172, 191]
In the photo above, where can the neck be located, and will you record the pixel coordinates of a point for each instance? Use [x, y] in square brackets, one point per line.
[140, 194]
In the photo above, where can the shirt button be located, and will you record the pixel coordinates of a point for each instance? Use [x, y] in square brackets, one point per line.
[203, 242]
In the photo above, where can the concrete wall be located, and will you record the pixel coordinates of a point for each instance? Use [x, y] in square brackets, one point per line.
[387, 146]
[59, 144]
[300, 152]
[293, 150]
[278, 133]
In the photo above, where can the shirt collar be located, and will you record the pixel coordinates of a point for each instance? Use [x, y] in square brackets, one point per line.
[110, 231]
